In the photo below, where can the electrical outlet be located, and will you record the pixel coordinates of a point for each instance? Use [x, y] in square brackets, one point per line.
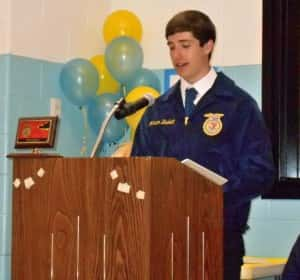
[55, 107]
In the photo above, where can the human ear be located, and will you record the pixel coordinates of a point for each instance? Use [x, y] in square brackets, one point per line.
[209, 46]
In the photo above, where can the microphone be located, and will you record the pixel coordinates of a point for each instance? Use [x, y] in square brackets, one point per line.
[126, 109]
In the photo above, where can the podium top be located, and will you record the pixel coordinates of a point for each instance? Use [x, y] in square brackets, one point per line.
[32, 155]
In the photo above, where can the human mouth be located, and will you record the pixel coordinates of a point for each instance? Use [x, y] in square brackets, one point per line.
[181, 66]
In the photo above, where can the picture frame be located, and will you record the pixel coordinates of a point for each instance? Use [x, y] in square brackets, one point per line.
[36, 132]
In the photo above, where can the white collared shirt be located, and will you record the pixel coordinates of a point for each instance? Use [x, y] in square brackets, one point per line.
[202, 86]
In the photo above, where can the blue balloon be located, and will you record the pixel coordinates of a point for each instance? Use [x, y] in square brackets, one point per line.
[123, 58]
[98, 109]
[144, 77]
[79, 81]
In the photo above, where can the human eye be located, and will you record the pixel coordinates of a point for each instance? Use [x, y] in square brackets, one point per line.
[185, 45]
[171, 46]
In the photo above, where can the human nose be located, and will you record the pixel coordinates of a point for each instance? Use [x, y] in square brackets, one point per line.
[176, 54]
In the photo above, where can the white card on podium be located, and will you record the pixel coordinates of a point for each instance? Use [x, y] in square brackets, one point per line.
[205, 172]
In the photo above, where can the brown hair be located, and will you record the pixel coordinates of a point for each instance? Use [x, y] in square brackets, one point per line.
[196, 22]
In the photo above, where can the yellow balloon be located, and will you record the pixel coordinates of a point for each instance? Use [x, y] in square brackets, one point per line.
[107, 84]
[122, 23]
[132, 96]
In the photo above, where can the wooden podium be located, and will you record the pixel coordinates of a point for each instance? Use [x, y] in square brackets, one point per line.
[72, 219]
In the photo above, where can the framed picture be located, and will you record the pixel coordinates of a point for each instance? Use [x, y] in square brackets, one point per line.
[36, 132]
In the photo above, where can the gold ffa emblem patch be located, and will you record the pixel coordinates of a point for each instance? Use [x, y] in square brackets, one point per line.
[213, 124]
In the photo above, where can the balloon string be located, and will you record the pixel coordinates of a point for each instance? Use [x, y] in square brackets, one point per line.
[83, 149]
[124, 90]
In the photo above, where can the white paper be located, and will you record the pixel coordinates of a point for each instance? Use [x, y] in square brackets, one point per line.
[205, 172]
[29, 182]
[17, 183]
[114, 174]
[124, 187]
[41, 172]
[140, 195]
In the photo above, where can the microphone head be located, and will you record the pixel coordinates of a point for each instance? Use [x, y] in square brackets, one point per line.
[150, 99]
[126, 109]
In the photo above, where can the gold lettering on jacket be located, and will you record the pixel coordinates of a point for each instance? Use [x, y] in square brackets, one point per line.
[162, 122]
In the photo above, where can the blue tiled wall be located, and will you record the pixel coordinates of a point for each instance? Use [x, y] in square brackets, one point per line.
[26, 86]
[30, 95]
[5, 190]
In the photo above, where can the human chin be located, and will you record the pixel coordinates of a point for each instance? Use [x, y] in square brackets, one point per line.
[182, 69]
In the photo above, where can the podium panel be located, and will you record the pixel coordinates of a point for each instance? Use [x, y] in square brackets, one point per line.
[115, 219]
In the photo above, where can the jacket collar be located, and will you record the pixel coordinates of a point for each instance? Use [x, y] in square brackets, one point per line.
[222, 87]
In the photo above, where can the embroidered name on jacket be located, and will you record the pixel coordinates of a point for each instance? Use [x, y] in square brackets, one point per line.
[213, 124]
[162, 122]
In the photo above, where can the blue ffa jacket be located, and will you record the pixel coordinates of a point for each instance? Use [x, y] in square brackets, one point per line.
[292, 269]
[225, 133]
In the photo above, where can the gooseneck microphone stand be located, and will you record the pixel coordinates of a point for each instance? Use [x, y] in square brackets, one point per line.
[118, 104]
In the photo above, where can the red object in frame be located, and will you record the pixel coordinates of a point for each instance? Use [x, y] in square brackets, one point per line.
[36, 132]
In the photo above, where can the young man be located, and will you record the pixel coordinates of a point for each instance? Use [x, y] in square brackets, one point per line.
[292, 269]
[222, 129]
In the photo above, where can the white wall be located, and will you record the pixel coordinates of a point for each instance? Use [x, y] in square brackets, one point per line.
[238, 22]
[58, 30]
[5, 20]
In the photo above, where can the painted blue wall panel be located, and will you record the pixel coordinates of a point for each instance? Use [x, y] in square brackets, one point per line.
[5, 198]
[3, 137]
[5, 195]
[50, 76]
[271, 237]
[25, 77]
[260, 209]
[4, 75]
[247, 77]
[3, 113]
[5, 273]
[2, 193]
[5, 235]
[286, 210]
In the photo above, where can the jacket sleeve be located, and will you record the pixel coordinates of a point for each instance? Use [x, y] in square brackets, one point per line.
[142, 145]
[253, 170]
[292, 268]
